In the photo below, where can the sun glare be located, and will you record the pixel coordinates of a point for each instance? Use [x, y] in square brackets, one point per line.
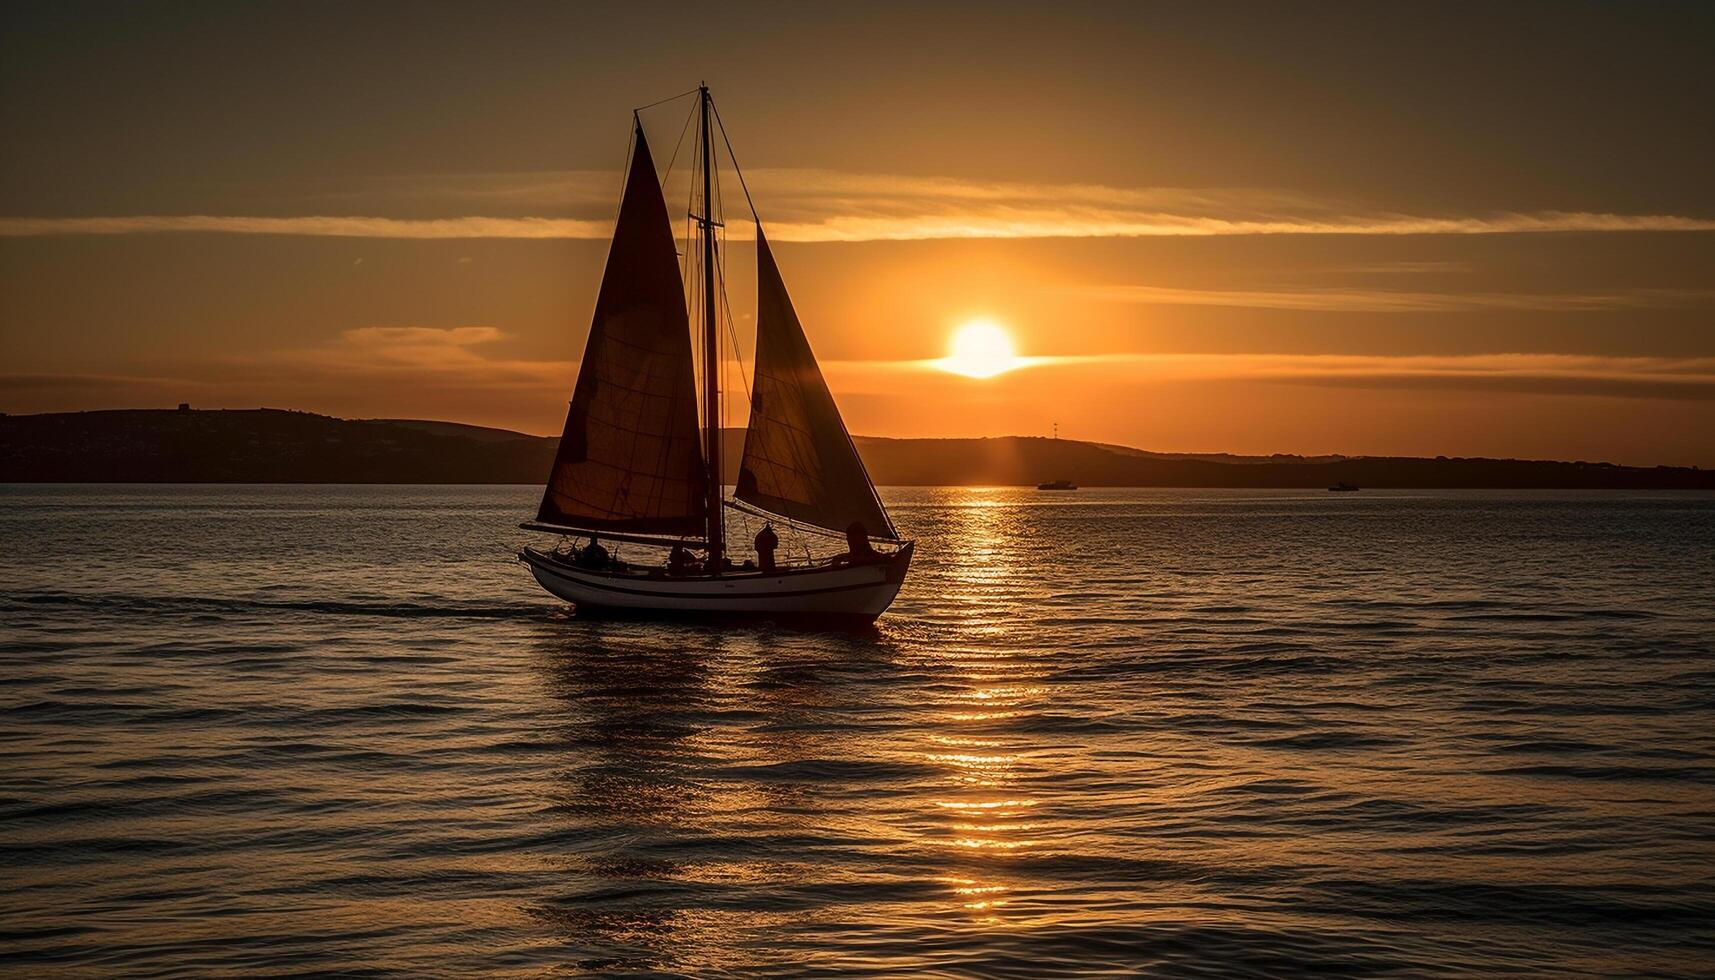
[980, 349]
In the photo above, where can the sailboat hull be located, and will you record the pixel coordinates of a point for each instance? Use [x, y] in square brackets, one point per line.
[842, 595]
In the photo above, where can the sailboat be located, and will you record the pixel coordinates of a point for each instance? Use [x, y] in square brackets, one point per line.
[635, 463]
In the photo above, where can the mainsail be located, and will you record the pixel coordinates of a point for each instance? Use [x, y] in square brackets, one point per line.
[799, 461]
[629, 458]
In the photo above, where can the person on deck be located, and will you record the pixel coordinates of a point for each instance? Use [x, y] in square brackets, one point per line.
[593, 555]
[678, 561]
[766, 542]
[859, 551]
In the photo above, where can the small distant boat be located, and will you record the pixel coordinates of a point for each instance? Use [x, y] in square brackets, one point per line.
[1057, 485]
[1343, 487]
[636, 464]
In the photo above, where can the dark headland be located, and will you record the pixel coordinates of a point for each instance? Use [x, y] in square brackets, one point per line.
[275, 446]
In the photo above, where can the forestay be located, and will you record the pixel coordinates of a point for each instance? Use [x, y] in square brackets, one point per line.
[799, 461]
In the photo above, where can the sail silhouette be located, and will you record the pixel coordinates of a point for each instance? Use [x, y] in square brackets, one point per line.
[629, 458]
[799, 461]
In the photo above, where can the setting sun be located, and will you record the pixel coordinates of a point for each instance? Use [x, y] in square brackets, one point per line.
[980, 349]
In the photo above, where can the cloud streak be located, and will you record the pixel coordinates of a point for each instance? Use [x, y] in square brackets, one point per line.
[439, 357]
[375, 371]
[1674, 378]
[417, 357]
[1343, 300]
[828, 206]
[311, 226]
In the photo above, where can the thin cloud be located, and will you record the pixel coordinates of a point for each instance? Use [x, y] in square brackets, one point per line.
[438, 357]
[1405, 267]
[377, 370]
[1048, 224]
[32, 382]
[1342, 300]
[1572, 374]
[312, 226]
[829, 206]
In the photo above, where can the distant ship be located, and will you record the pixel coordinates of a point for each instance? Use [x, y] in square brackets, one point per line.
[635, 465]
[1057, 485]
[1342, 487]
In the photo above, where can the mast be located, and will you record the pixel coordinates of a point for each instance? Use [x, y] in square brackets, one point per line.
[711, 354]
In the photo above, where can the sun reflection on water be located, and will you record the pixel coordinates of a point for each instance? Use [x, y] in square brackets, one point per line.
[988, 688]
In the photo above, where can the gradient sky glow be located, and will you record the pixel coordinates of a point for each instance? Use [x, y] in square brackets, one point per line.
[1436, 229]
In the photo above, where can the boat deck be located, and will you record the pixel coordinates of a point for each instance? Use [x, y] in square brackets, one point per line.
[630, 570]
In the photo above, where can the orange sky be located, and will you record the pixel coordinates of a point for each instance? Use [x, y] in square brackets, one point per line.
[1344, 230]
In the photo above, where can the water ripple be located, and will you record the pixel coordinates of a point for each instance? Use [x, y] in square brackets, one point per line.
[1169, 733]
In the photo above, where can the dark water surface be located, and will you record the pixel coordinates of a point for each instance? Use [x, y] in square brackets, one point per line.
[280, 729]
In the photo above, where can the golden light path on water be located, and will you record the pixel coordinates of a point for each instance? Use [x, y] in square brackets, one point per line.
[983, 809]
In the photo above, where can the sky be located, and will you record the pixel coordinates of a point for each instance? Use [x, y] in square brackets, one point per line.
[1451, 229]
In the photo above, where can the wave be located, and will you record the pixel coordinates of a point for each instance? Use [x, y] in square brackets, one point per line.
[827, 771]
[326, 607]
[1455, 744]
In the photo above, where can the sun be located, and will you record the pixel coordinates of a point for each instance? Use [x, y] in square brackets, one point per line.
[979, 349]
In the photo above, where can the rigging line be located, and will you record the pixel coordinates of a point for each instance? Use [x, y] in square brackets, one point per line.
[805, 529]
[726, 300]
[698, 269]
[798, 462]
[726, 370]
[685, 260]
[751, 203]
[732, 331]
[873, 493]
[737, 354]
[716, 212]
[625, 172]
[685, 256]
[669, 98]
[734, 158]
[726, 304]
[802, 527]
[688, 265]
[679, 145]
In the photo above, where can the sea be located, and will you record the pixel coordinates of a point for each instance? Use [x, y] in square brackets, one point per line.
[289, 730]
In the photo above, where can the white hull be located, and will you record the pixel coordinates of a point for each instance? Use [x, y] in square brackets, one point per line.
[846, 593]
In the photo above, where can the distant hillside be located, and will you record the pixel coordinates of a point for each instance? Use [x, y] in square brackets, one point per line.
[274, 446]
[260, 446]
[1019, 460]
[479, 433]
